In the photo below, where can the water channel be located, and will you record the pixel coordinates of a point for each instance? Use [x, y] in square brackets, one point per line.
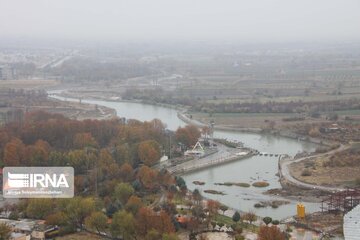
[256, 168]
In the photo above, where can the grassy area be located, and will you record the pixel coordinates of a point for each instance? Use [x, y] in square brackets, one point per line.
[228, 221]
[348, 112]
[232, 115]
[80, 236]
[27, 83]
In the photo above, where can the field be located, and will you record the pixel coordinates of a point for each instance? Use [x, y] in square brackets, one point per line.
[249, 120]
[80, 236]
[27, 83]
[341, 169]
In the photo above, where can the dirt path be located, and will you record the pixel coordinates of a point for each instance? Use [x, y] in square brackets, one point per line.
[285, 172]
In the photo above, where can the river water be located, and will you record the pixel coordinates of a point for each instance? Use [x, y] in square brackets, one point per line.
[256, 168]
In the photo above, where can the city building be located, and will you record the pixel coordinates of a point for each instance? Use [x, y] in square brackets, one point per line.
[7, 72]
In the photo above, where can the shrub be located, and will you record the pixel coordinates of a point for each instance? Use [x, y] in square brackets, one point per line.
[357, 181]
[267, 220]
[239, 237]
[260, 184]
[275, 222]
[236, 216]
[306, 173]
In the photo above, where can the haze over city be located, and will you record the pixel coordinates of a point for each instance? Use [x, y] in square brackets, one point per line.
[180, 119]
[143, 20]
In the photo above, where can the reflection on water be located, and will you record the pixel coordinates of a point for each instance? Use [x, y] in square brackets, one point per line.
[256, 168]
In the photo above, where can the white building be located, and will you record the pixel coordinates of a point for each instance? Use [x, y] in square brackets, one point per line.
[352, 224]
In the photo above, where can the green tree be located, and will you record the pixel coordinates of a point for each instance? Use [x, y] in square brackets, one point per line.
[122, 154]
[123, 192]
[57, 218]
[133, 204]
[5, 231]
[170, 236]
[124, 225]
[267, 220]
[97, 221]
[39, 208]
[78, 208]
[223, 208]
[236, 217]
[153, 235]
[275, 222]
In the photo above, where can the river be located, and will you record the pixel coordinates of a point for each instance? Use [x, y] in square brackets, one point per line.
[256, 168]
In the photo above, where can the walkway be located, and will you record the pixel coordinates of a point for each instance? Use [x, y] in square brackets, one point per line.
[285, 172]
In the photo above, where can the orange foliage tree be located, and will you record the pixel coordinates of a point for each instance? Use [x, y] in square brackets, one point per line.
[188, 135]
[149, 152]
[270, 233]
[147, 177]
[147, 219]
[14, 153]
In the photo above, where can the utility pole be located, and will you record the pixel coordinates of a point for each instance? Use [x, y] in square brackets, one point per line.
[170, 147]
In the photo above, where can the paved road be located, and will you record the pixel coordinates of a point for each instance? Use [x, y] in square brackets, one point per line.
[286, 172]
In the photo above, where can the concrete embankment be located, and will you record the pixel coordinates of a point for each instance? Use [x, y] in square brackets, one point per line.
[190, 121]
[211, 163]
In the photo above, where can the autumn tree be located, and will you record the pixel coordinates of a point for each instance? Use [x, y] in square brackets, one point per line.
[144, 220]
[106, 167]
[122, 153]
[14, 153]
[82, 140]
[164, 223]
[206, 131]
[147, 219]
[96, 221]
[123, 191]
[123, 225]
[187, 135]
[147, 177]
[133, 204]
[126, 172]
[270, 233]
[149, 152]
[250, 217]
[212, 207]
[38, 154]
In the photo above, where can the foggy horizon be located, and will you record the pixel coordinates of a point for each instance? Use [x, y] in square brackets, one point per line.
[274, 21]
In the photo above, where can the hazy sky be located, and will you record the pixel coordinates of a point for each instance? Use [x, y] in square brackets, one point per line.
[243, 20]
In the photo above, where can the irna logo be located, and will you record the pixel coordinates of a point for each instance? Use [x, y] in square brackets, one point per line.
[38, 182]
[18, 180]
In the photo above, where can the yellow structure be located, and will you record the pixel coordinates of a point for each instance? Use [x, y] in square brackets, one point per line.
[300, 210]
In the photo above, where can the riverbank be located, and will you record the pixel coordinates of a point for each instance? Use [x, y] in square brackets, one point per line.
[77, 110]
[183, 115]
[282, 133]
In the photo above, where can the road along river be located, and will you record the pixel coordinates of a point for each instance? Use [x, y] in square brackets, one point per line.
[249, 170]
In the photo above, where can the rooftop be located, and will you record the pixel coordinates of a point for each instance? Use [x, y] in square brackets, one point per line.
[352, 224]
